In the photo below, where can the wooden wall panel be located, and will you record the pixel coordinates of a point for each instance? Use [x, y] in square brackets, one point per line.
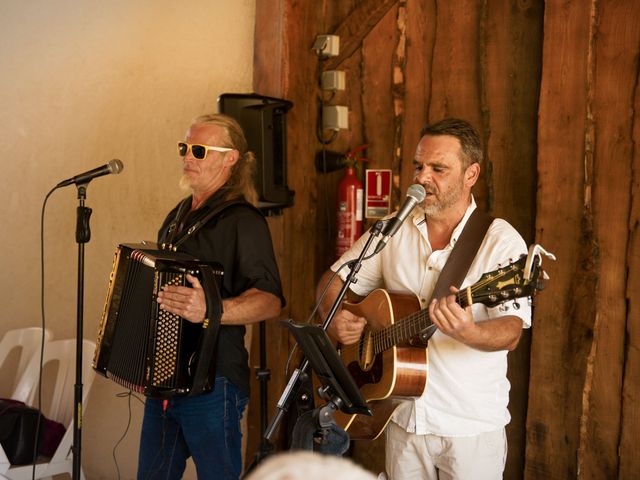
[612, 80]
[455, 74]
[378, 113]
[510, 66]
[420, 37]
[510, 63]
[628, 451]
[565, 311]
[356, 25]
[585, 160]
[286, 67]
[270, 76]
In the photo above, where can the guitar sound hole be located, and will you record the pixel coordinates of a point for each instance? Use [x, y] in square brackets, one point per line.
[371, 376]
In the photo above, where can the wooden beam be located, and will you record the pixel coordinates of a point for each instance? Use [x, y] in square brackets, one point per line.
[510, 64]
[456, 89]
[419, 43]
[612, 83]
[582, 417]
[631, 387]
[282, 26]
[356, 27]
[565, 311]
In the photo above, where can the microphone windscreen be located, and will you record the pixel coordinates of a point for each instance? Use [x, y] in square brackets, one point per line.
[416, 192]
[115, 166]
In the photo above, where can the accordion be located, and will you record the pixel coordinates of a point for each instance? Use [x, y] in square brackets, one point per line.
[145, 348]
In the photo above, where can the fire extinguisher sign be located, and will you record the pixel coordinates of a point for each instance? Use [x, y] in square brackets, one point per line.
[378, 188]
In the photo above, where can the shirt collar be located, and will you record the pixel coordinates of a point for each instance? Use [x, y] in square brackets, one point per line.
[217, 198]
[458, 230]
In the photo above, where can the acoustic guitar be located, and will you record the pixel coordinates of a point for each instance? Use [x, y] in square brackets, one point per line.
[384, 364]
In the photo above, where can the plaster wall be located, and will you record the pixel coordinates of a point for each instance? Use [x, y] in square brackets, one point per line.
[84, 82]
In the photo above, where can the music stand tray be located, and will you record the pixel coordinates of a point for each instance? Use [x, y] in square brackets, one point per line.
[327, 364]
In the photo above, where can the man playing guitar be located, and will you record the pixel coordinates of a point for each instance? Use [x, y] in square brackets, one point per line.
[455, 429]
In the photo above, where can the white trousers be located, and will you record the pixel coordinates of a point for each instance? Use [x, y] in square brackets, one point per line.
[431, 457]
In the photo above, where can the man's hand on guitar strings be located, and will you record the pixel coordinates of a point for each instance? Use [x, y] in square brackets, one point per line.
[346, 327]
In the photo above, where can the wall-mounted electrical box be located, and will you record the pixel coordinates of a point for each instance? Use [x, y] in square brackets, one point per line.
[327, 46]
[335, 117]
[333, 80]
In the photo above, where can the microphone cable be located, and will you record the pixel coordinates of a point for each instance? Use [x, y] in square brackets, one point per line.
[43, 323]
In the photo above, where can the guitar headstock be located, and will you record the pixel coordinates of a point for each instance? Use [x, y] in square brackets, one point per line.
[522, 278]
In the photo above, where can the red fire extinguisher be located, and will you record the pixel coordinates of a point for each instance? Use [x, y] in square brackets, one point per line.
[349, 214]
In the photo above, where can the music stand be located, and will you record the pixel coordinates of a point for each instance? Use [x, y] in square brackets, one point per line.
[337, 385]
[300, 372]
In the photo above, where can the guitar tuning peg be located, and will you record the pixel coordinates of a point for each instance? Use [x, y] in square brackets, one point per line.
[503, 307]
[516, 305]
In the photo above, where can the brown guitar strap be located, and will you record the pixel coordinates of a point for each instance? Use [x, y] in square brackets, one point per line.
[459, 261]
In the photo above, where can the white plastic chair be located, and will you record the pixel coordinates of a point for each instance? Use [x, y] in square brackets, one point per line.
[28, 341]
[59, 402]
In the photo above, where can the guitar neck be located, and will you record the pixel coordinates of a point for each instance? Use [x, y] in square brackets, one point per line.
[410, 326]
[516, 280]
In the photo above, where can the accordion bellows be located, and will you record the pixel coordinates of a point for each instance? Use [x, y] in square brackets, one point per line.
[145, 348]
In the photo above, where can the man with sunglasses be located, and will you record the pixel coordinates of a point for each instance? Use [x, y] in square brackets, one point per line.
[217, 170]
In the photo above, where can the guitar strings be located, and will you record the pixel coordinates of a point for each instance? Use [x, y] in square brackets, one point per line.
[413, 324]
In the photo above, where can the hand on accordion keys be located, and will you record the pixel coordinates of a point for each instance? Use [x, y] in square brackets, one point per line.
[187, 302]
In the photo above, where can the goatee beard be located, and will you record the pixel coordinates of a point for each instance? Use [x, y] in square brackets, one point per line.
[433, 210]
[184, 184]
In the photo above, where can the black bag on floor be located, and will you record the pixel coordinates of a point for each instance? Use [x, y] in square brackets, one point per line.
[18, 425]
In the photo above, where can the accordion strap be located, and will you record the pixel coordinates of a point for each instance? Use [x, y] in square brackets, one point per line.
[203, 221]
[209, 339]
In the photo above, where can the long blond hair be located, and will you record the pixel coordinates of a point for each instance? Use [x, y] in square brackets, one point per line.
[242, 179]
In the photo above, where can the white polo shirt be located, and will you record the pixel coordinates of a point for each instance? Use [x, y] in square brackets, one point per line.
[467, 390]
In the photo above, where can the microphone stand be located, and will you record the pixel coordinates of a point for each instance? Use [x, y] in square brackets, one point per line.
[300, 373]
[83, 235]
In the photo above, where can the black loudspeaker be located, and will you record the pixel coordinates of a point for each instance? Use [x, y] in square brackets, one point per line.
[264, 122]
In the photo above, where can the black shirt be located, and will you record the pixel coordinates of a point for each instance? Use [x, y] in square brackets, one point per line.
[238, 238]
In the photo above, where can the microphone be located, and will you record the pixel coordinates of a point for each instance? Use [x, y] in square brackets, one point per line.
[415, 195]
[114, 166]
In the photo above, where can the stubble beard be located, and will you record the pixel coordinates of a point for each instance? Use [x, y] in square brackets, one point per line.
[446, 200]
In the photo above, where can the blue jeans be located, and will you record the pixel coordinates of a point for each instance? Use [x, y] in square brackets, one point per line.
[205, 427]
